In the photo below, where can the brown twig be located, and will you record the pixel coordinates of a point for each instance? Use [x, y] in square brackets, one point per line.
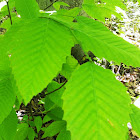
[9, 11]
[57, 88]
[50, 5]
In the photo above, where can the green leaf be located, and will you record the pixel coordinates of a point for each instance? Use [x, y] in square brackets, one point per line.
[9, 126]
[113, 4]
[55, 114]
[93, 103]
[102, 10]
[46, 118]
[135, 119]
[7, 24]
[25, 118]
[138, 1]
[28, 9]
[31, 123]
[57, 4]
[69, 67]
[7, 92]
[4, 10]
[65, 15]
[38, 51]
[54, 128]
[22, 131]
[54, 97]
[99, 14]
[31, 134]
[18, 101]
[7, 96]
[38, 123]
[69, 13]
[94, 36]
[64, 135]
[49, 104]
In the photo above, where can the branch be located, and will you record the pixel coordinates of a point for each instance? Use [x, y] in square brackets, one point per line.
[50, 5]
[57, 88]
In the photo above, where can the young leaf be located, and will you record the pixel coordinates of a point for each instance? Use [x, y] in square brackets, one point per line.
[49, 104]
[31, 123]
[93, 105]
[64, 135]
[55, 97]
[22, 131]
[9, 126]
[69, 67]
[25, 118]
[31, 134]
[135, 119]
[55, 114]
[38, 123]
[46, 118]
[69, 13]
[66, 15]
[42, 57]
[54, 128]
[28, 9]
[57, 4]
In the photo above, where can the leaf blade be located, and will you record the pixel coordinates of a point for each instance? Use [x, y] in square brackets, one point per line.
[54, 128]
[22, 131]
[135, 119]
[9, 126]
[91, 109]
[39, 64]
[27, 8]
[94, 36]
[38, 123]
[7, 92]
[102, 9]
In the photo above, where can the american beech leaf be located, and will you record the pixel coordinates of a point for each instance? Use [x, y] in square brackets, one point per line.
[93, 105]
[28, 9]
[9, 126]
[135, 119]
[38, 123]
[54, 128]
[103, 9]
[94, 36]
[7, 90]
[35, 57]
